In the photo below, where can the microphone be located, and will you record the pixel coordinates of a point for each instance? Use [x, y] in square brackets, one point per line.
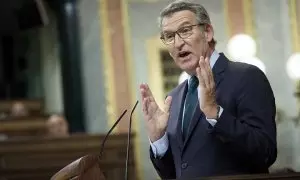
[108, 133]
[88, 167]
[128, 141]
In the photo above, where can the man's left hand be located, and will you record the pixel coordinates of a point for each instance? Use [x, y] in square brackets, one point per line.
[207, 99]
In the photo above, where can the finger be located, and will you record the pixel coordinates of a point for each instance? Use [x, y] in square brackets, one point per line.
[149, 92]
[212, 80]
[207, 63]
[143, 90]
[146, 93]
[168, 104]
[143, 93]
[200, 78]
[150, 95]
[204, 72]
[143, 86]
[145, 106]
[209, 72]
[199, 75]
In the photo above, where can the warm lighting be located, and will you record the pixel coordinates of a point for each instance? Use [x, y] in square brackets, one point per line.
[241, 46]
[183, 76]
[256, 62]
[293, 66]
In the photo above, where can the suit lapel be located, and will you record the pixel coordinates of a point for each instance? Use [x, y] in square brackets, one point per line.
[197, 114]
[218, 72]
[178, 102]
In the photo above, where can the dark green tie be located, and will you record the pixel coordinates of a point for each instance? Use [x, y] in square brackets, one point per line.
[191, 100]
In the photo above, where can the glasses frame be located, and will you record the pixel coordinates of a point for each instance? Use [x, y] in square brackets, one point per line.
[177, 32]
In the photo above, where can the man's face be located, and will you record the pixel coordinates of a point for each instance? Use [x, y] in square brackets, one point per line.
[19, 110]
[187, 51]
[58, 126]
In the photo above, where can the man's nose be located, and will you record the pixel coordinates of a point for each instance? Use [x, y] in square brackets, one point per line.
[178, 41]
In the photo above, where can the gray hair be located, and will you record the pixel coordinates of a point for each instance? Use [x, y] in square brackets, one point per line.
[181, 5]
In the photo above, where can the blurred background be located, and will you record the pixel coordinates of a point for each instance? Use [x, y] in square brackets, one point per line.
[68, 69]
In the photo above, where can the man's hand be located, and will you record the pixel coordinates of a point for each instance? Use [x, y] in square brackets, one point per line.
[156, 118]
[207, 101]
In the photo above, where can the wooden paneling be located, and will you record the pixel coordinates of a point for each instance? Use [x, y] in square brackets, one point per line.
[116, 60]
[33, 105]
[239, 17]
[41, 158]
[294, 13]
[24, 126]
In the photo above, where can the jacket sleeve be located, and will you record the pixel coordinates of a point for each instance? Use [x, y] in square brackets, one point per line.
[251, 133]
[164, 165]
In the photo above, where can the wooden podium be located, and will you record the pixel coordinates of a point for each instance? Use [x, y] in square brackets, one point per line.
[84, 168]
[95, 173]
[88, 167]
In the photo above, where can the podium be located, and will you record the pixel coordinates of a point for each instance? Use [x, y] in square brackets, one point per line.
[84, 168]
[88, 167]
[94, 173]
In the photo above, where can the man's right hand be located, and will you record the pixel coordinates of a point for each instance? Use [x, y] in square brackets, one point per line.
[155, 117]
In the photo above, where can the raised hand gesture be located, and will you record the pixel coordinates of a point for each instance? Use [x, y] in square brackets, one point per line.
[155, 117]
[208, 103]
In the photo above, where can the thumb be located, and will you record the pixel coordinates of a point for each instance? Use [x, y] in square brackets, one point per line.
[167, 104]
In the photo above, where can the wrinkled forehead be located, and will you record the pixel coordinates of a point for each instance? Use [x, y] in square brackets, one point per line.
[178, 19]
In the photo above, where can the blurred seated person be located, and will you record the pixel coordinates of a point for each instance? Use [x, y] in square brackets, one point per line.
[57, 126]
[19, 110]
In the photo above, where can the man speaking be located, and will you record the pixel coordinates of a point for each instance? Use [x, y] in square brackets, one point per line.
[220, 121]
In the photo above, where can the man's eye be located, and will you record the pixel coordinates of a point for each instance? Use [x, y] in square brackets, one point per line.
[185, 29]
[168, 36]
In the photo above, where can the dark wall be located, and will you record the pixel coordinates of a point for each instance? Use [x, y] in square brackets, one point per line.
[32, 14]
[17, 16]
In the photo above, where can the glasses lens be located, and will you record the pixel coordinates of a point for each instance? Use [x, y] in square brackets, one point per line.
[185, 31]
[168, 38]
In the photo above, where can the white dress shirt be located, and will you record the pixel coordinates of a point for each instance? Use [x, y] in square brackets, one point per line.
[160, 146]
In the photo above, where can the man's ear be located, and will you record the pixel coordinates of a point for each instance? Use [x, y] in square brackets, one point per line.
[209, 33]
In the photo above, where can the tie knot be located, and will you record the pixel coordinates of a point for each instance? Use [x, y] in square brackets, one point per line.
[193, 84]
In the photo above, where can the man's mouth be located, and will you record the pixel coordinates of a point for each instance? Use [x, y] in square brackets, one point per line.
[184, 54]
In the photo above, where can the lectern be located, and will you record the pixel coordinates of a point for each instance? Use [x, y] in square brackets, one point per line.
[84, 168]
[88, 167]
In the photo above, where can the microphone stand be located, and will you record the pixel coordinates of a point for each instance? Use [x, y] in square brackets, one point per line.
[88, 167]
[128, 141]
[103, 143]
[108, 133]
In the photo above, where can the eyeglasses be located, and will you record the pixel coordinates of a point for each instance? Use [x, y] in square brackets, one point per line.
[183, 32]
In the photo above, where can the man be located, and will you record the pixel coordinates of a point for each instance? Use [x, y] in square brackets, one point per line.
[19, 109]
[221, 121]
[57, 126]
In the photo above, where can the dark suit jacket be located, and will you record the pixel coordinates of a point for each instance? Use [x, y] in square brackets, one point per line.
[242, 142]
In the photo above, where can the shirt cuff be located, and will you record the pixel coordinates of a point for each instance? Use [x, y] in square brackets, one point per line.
[213, 122]
[160, 147]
